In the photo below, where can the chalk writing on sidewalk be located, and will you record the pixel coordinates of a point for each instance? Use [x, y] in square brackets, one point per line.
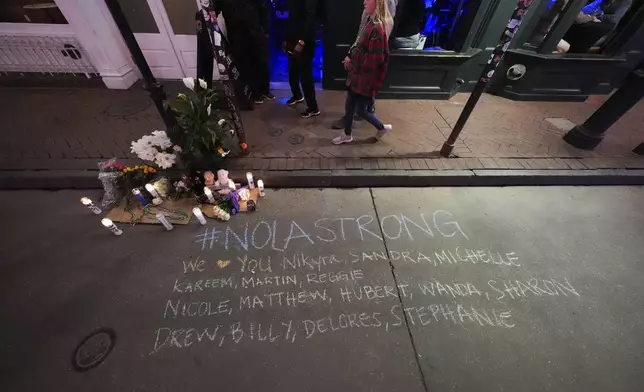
[280, 235]
[268, 282]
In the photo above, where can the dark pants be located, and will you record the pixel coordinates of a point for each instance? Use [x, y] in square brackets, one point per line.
[582, 37]
[260, 83]
[300, 71]
[253, 64]
[358, 104]
[260, 75]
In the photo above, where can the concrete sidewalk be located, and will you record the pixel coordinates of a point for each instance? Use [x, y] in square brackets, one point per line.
[378, 290]
[56, 136]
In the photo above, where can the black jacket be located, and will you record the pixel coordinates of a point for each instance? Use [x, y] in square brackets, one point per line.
[262, 13]
[301, 19]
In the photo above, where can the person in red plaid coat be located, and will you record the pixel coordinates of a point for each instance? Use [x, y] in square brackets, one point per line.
[367, 66]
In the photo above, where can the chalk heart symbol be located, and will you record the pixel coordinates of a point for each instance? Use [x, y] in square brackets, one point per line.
[223, 263]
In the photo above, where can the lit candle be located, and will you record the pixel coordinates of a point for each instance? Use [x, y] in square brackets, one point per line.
[139, 196]
[251, 183]
[164, 221]
[199, 215]
[110, 225]
[150, 188]
[260, 185]
[91, 206]
[208, 193]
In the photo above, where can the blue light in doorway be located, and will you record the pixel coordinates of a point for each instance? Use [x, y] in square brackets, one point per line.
[441, 18]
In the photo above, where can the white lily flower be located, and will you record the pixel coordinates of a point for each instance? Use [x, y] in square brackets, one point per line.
[203, 84]
[209, 110]
[189, 82]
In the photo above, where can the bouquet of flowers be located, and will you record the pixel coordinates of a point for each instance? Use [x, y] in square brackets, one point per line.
[156, 148]
[137, 176]
[110, 174]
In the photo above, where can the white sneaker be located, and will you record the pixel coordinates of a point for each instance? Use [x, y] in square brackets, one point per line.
[342, 139]
[388, 128]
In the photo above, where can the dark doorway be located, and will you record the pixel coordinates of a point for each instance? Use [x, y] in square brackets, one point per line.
[279, 59]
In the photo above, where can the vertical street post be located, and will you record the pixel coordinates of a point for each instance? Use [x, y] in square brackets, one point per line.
[155, 88]
[496, 57]
[639, 150]
[588, 135]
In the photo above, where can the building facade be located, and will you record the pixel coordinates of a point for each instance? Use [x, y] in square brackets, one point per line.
[79, 37]
[599, 58]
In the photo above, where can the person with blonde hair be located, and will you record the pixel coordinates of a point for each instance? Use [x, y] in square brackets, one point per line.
[364, 19]
[366, 68]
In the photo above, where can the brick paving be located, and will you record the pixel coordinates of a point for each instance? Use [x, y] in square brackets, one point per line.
[71, 129]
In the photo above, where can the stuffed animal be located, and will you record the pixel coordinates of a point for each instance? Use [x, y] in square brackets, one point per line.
[225, 184]
[209, 179]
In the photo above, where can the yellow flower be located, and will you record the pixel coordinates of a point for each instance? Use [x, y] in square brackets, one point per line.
[220, 150]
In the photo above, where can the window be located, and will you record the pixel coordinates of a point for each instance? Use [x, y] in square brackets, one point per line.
[30, 11]
[139, 16]
[182, 16]
[592, 26]
[547, 21]
[573, 26]
[433, 24]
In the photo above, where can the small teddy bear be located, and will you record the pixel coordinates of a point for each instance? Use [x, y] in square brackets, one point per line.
[209, 179]
[225, 184]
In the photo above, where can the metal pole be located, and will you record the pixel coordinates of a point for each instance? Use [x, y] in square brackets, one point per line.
[155, 88]
[639, 150]
[588, 135]
[496, 57]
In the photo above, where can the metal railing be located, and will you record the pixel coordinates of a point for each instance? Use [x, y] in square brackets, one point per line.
[44, 55]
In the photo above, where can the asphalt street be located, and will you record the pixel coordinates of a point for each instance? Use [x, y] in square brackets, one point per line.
[434, 289]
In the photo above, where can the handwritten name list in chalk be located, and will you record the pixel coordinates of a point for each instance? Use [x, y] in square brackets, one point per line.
[213, 300]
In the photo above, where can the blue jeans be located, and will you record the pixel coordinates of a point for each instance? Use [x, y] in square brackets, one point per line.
[357, 104]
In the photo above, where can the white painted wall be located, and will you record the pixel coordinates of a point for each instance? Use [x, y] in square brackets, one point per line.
[94, 27]
[170, 56]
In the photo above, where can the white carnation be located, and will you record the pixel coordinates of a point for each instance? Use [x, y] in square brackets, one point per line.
[176, 148]
[143, 150]
[161, 140]
[165, 160]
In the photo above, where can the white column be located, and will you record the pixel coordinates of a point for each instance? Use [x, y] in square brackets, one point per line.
[96, 30]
